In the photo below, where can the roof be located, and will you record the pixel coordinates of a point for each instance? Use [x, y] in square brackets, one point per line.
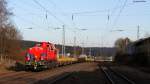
[140, 41]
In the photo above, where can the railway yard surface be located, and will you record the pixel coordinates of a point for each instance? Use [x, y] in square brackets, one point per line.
[80, 73]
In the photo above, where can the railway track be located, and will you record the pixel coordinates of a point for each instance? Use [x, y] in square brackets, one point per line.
[55, 80]
[60, 78]
[51, 76]
[115, 77]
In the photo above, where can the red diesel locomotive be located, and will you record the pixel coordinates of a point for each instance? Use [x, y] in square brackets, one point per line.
[43, 55]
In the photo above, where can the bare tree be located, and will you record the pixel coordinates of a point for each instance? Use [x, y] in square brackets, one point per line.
[121, 44]
[9, 35]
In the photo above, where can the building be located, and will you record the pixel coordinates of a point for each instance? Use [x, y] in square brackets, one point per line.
[140, 50]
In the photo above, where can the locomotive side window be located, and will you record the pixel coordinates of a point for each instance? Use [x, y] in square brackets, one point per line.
[30, 57]
[48, 47]
[52, 48]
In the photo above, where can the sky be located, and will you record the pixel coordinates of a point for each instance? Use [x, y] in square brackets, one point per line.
[100, 18]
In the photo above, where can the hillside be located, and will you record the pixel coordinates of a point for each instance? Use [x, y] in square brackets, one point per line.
[95, 51]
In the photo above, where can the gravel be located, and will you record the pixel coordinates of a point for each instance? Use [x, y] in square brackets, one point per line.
[32, 77]
[134, 74]
[83, 73]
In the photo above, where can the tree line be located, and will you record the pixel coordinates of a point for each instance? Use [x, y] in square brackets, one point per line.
[9, 35]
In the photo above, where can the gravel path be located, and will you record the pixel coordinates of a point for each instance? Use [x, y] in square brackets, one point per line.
[83, 73]
[32, 77]
[88, 75]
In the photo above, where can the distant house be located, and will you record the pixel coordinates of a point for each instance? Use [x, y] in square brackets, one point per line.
[143, 46]
[140, 49]
[139, 46]
[130, 49]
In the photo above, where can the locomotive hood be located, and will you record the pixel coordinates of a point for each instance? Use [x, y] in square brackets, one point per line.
[36, 52]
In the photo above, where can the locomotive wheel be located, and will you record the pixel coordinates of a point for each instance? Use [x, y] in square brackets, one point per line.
[35, 67]
[27, 68]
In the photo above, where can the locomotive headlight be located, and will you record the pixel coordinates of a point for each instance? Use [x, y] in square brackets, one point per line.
[27, 57]
[42, 58]
[36, 56]
[43, 55]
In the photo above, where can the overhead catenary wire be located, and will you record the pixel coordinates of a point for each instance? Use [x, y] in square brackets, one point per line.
[95, 11]
[122, 8]
[56, 7]
[120, 11]
[28, 21]
[86, 12]
[49, 12]
[113, 10]
[59, 8]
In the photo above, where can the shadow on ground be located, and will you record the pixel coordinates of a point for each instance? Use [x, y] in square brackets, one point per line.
[81, 77]
[16, 67]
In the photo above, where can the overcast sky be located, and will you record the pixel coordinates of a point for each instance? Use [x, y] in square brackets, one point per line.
[99, 17]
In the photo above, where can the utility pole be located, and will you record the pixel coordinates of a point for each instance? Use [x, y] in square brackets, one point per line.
[63, 52]
[101, 45]
[138, 32]
[76, 38]
[63, 41]
[90, 52]
[75, 45]
[74, 48]
[83, 48]
[83, 45]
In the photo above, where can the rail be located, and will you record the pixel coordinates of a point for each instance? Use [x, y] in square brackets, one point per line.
[60, 78]
[115, 77]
